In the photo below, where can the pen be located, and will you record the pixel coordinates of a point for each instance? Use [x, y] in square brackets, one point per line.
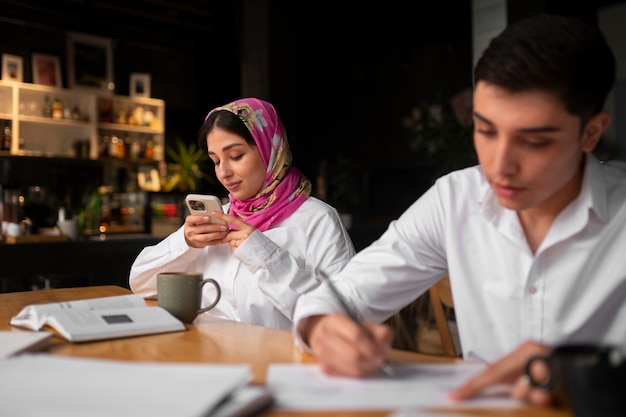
[386, 368]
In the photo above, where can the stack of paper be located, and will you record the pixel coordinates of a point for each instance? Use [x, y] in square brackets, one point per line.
[305, 387]
[16, 342]
[42, 384]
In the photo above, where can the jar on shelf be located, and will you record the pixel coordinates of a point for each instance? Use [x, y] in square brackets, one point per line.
[114, 146]
[57, 108]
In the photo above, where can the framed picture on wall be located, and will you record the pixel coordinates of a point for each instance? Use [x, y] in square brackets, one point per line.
[139, 85]
[90, 61]
[47, 70]
[12, 68]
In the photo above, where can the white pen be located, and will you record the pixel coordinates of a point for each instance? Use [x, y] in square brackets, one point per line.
[386, 368]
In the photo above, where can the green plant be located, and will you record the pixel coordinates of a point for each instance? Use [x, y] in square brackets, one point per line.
[90, 215]
[186, 169]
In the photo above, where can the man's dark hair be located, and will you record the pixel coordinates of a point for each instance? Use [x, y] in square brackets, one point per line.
[560, 55]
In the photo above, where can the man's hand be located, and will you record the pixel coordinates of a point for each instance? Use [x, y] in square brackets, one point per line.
[342, 348]
[509, 369]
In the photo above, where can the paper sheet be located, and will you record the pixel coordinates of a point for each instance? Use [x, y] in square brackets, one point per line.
[14, 342]
[56, 386]
[305, 387]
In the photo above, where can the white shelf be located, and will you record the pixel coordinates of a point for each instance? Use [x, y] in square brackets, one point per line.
[33, 133]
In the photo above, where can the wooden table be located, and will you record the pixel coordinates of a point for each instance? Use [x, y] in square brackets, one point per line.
[210, 340]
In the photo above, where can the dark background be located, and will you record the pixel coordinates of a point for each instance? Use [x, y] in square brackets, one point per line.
[342, 74]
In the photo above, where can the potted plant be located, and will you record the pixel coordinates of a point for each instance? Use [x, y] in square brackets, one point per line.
[186, 169]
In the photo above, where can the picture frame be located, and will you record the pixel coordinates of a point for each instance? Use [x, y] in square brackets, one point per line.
[90, 61]
[140, 85]
[46, 70]
[12, 68]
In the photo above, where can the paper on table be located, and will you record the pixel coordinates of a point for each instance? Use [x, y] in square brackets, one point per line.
[56, 386]
[305, 387]
[16, 342]
[418, 413]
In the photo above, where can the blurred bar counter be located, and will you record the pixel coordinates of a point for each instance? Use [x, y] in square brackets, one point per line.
[94, 261]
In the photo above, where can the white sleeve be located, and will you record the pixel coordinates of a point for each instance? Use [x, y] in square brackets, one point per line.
[172, 254]
[283, 276]
[390, 273]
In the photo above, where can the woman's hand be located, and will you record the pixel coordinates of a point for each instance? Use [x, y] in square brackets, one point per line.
[199, 232]
[342, 348]
[509, 369]
[239, 232]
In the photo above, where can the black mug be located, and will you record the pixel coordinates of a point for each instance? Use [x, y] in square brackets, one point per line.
[588, 379]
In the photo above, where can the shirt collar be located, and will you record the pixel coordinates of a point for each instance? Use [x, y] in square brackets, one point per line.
[594, 187]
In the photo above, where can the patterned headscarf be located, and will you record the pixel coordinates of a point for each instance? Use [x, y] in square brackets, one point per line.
[285, 188]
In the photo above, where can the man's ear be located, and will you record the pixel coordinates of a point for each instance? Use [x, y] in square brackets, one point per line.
[593, 130]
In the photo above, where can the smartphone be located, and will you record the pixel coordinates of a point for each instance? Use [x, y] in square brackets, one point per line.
[203, 205]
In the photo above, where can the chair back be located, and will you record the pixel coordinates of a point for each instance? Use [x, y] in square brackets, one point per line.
[441, 300]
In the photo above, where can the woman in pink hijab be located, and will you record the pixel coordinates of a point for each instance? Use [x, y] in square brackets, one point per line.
[278, 237]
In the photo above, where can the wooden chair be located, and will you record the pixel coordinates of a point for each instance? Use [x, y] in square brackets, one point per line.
[441, 300]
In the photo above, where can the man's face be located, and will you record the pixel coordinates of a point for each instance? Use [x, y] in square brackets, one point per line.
[529, 148]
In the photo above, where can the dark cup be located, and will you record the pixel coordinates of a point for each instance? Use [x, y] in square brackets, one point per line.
[588, 379]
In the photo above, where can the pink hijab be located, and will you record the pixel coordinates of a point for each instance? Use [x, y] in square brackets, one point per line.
[285, 188]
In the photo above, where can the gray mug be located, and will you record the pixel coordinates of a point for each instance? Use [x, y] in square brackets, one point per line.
[180, 293]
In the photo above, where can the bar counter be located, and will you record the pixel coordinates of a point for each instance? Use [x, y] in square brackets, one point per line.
[84, 262]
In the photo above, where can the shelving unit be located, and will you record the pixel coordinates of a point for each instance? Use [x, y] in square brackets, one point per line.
[88, 118]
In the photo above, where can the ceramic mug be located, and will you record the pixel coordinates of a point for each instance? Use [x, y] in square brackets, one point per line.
[588, 379]
[180, 293]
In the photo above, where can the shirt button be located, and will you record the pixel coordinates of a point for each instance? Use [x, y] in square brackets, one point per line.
[532, 289]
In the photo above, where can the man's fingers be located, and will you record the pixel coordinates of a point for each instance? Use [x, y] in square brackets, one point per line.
[490, 376]
[505, 370]
[342, 348]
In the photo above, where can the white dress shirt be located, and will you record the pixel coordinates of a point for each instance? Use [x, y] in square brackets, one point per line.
[264, 277]
[572, 289]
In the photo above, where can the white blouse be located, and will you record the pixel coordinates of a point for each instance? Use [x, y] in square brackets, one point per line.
[262, 280]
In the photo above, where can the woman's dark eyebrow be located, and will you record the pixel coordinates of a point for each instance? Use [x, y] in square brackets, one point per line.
[226, 148]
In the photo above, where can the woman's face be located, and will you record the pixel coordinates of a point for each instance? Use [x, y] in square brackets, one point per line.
[238, 166]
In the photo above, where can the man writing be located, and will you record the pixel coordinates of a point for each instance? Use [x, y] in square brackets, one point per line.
[516, 233]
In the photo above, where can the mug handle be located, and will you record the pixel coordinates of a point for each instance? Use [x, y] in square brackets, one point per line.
[217, 298]
[546, 384]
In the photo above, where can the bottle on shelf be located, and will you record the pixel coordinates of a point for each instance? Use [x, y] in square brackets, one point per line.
[5, 135]
[46, 110]
[149, 151]
[135, 149]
